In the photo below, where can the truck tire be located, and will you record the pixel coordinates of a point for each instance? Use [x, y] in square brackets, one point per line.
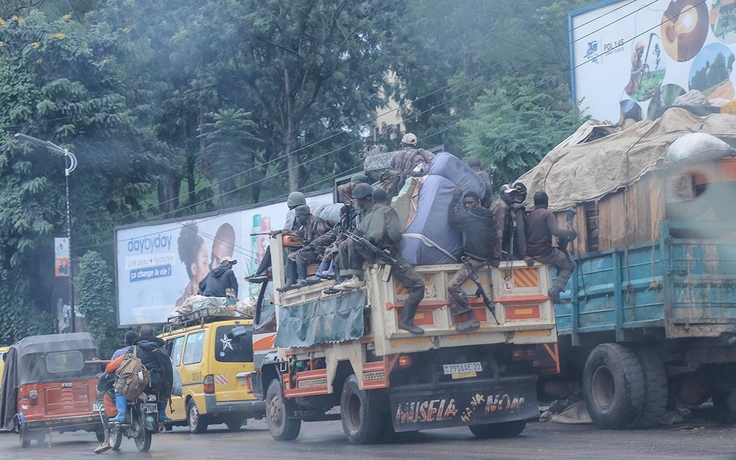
[361, 421]
[613, 386]
[655, 388]
[498, 430]
[281, 426]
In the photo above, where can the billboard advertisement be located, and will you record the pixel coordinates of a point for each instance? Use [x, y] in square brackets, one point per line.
[630, 59]
[160, 264]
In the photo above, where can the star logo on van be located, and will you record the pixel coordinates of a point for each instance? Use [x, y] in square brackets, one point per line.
[226, 342]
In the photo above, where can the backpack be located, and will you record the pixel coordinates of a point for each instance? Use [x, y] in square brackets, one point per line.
[132, 376]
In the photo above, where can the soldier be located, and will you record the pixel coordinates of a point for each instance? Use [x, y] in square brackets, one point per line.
[542, 225]
[382, 229]
[478, 244]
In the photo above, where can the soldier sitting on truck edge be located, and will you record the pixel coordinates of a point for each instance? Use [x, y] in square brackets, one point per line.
[382, 228]
[508, 225]
[478, 244]
[340, 252]
[296, 263]
[542, 224]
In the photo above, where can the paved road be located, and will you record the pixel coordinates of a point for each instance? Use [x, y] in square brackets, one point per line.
[325, 441]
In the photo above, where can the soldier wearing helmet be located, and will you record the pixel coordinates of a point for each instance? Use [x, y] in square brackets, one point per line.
[508, 217]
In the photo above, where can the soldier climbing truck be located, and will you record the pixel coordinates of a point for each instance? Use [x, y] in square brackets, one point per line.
[315, 353]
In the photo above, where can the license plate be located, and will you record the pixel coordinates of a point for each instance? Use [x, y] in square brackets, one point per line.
[243, 382]
[451, 369]
[150, 408]
[97, 406]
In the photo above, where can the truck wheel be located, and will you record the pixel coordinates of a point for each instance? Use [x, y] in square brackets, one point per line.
[361, 421]
[498, 430]
[655, 388]
[281, 426]
[195, 420]
[613, 386]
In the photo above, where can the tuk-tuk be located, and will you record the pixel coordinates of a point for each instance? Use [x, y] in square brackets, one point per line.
[47, 386]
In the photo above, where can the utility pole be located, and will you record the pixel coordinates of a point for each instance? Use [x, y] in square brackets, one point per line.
[70, 163]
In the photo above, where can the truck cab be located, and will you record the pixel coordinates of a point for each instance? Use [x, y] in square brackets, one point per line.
[315, 353]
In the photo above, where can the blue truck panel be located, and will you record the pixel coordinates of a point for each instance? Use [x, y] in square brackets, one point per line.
[685, 284]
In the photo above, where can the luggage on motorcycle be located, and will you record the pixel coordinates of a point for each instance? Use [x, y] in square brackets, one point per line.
[132, 376]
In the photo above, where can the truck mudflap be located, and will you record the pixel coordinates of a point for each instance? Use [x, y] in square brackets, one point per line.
[471, 402]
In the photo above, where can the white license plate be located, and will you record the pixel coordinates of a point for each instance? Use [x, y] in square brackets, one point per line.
[150, 408]
[451, 369]
[97, 406]
[243, 381]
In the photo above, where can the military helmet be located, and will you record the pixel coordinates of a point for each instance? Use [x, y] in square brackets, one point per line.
[362, 192]
[295, 199]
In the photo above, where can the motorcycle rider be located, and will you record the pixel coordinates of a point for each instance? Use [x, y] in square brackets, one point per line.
[153, 355]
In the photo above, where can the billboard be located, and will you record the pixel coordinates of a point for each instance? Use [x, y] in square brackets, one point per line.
[631, 58]
[160, 264]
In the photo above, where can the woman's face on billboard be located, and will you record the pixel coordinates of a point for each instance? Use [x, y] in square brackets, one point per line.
[200, 267]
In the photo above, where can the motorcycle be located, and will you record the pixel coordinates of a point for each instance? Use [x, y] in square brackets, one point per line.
[142, 421]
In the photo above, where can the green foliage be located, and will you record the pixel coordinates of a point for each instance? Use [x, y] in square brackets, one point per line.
[515, 125]
[97, 302]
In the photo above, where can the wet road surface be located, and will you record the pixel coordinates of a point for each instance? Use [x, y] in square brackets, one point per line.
[325, 441]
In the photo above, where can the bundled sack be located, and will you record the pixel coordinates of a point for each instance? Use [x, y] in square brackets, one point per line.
[430, 239]
[132, 377]
[697, 147]
[452, 168]
[329, 212]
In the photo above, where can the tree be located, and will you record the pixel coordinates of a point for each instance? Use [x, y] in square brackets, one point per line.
[514, 126]
[64, 82]
[97, 302]
[313, 69]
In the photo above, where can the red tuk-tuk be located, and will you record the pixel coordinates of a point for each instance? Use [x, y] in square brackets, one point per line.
[48, 387]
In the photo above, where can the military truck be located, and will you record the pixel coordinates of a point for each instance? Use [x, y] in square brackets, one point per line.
[319, 357]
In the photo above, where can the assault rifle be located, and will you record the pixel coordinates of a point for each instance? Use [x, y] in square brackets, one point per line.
[474, 278]
[382, 254]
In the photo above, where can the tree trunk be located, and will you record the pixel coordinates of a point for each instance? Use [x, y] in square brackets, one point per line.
[168, 195]
[191, 200]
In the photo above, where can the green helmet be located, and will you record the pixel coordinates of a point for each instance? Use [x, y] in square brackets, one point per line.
[295, 199]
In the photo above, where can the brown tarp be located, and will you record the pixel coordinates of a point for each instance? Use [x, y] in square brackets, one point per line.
[587, 172]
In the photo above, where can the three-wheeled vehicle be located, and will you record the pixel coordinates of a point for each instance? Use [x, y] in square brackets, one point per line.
[48, 387]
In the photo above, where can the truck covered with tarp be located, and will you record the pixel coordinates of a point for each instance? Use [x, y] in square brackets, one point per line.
[650, 310]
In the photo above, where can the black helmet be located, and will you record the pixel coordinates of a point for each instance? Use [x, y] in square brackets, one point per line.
[362, 192]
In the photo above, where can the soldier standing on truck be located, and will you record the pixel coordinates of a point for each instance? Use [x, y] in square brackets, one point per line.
[542, 224]
[382, 228]
[478, 244]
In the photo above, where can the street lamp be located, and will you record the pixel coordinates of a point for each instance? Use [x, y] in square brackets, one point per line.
[70, 161]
